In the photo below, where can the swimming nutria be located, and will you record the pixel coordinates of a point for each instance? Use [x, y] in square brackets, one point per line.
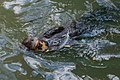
[57, 37]
[53, 39]
[60, 36]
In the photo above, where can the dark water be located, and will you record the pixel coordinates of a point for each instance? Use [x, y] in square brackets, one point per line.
[95, 58]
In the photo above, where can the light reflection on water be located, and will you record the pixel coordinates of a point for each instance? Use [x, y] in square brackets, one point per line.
[5, 74]
[58, 70]
[34, 17]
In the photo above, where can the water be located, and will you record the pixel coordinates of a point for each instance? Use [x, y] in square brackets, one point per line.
[96, 56]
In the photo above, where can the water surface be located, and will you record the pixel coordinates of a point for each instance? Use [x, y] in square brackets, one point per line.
[96, 57]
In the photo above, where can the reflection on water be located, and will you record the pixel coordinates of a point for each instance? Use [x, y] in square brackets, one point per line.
[16, 67]
[6, 74]
[51, 70]
[96, 56]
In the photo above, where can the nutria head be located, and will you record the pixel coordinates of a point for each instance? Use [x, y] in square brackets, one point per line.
[35, 44]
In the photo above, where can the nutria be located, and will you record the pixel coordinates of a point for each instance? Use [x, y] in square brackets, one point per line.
[60, 36]
[57, 37]
[53, 39]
